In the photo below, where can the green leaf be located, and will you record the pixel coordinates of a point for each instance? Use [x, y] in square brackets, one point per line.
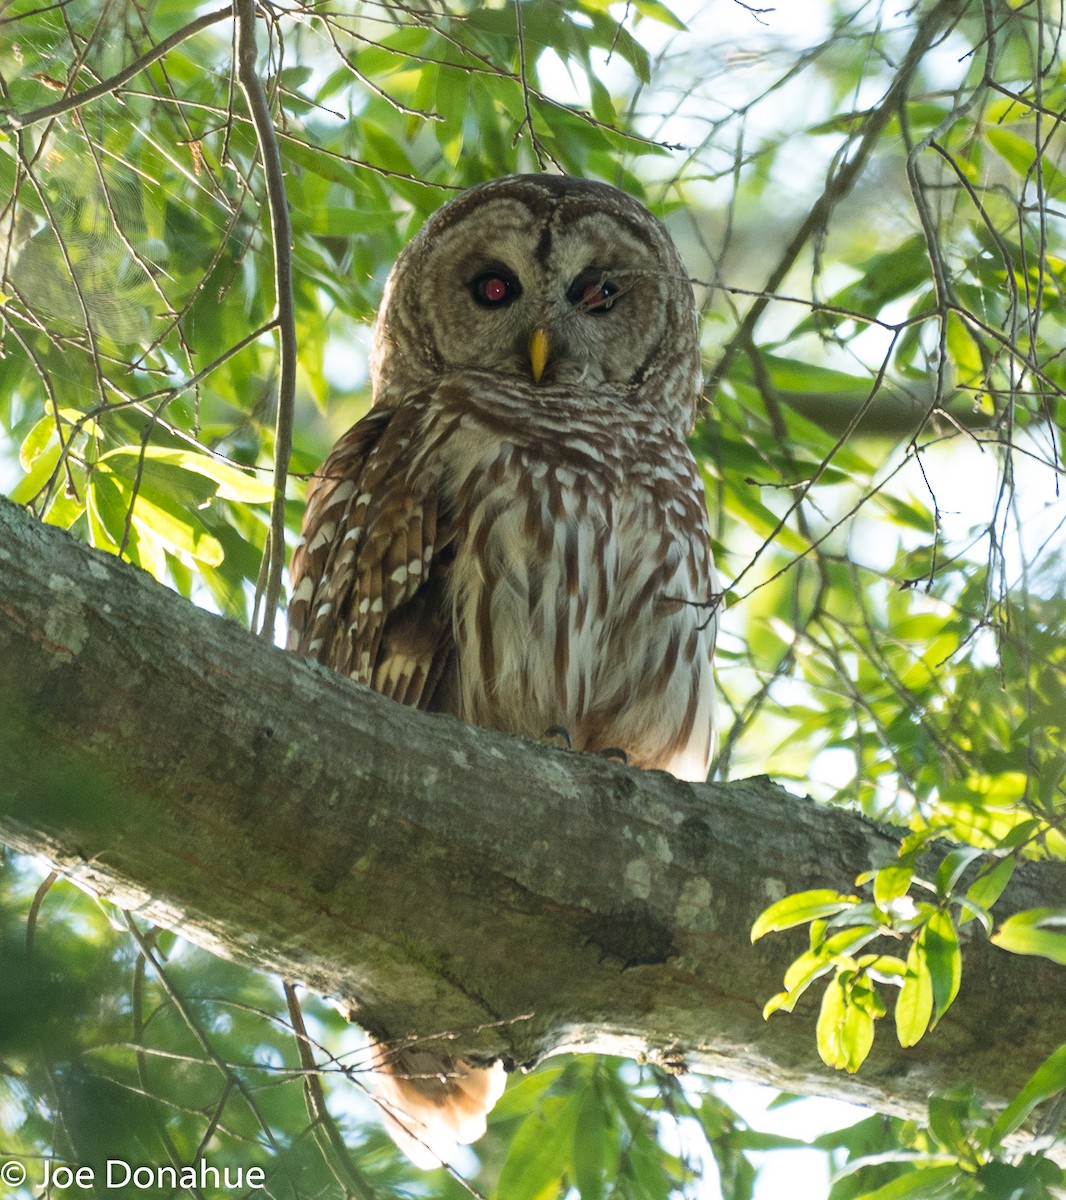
[1021, 834]
[153, 513]
[659, 12]
[40, 474]
[883, 968]
[107, 510]
[612, 33]
[540, 1152]
[845, 1028]
[987, 888]
[890, 883]
[969, 911]
[940, 945]
[827, 954]
[1021, 154]
[1040, 931]
[886, 276]
[800, 908]
[592, 1130]
[35, 441]
[948, 1117]
[914, 1005]
[150, 549]
[926, 1181]
[181, 533]
[949, 871]
[777, 1002]
[233, 484]
[1048, 1080]
[1033, 1177]
[816, 962]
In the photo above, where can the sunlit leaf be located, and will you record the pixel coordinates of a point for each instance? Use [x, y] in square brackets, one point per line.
[659, 12]
[233, 484]
[987, 888]
[845, 1029]
[35, 441]
[940, 946]
[800, 908]
[593, 1129]
[1040, 931]
[914, 1005]
[890, 883]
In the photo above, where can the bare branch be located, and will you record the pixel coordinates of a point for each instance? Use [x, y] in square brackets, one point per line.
[284, 310]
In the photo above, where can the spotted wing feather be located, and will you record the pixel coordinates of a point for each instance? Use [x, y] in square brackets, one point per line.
[370, 571]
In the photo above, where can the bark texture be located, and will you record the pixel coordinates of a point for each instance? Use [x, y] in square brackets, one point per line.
[440, 878]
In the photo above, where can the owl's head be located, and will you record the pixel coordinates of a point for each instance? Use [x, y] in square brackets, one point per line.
[554, 282]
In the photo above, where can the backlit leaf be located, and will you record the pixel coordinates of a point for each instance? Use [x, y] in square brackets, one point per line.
[845, 1029]
[800, 908]
[940, 945]
[914, 1005]
[1040, 931]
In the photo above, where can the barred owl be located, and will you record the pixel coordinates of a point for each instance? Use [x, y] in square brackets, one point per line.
[516, 533]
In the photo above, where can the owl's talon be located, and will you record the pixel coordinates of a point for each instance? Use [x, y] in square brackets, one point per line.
[615, 754]
[557, 736]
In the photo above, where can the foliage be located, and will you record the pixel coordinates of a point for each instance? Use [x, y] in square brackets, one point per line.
[871, 198]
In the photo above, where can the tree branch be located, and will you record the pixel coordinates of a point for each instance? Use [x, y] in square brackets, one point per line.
[444, 880]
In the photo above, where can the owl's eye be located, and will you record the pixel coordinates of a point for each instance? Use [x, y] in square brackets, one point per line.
[494, 289]
[595, 296]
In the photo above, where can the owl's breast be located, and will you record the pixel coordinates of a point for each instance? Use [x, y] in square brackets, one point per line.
[582, 589]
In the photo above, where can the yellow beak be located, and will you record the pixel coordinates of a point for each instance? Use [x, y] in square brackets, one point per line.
[539, 349]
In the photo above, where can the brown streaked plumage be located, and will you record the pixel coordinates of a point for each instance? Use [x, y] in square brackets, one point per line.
[516, 533]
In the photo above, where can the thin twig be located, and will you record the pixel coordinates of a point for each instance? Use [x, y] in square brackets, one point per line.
[142, 1055]
[534, 142]
[112, 84]
[35, 908]
[839, 184]
[232, 1081]
[340, 1163]
[284, 309]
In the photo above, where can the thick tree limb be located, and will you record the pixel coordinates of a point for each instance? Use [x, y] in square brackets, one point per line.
[440, 877]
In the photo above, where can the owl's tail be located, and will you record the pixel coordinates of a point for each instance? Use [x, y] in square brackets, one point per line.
[432, 1103]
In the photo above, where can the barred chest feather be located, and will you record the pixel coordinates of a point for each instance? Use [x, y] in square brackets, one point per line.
[583, 591]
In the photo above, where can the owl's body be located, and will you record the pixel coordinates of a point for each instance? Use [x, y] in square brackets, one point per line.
[516, 533]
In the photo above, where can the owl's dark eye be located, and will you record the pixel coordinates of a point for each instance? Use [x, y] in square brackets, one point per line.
[494, 289]
[593, 293]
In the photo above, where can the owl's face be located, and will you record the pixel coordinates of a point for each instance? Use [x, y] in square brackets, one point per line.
[547, 281]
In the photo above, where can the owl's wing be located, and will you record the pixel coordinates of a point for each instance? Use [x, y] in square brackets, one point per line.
[370, 571]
